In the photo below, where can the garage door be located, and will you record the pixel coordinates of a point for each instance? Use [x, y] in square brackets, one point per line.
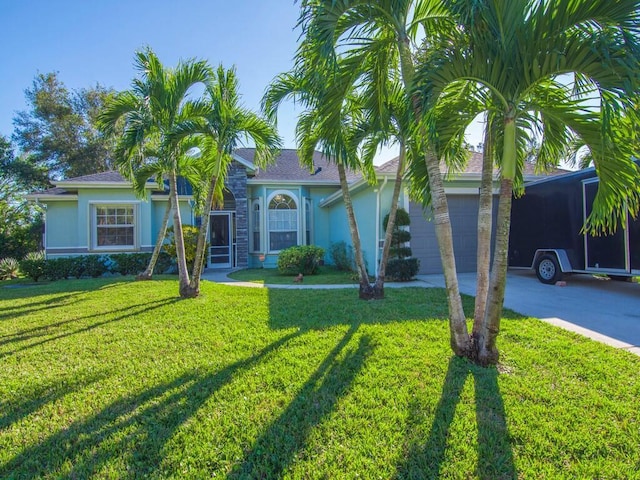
[463, 210]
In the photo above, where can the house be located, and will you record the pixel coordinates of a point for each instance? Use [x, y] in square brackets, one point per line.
[265, 210]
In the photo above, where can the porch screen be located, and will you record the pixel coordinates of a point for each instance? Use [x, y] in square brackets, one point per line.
[283, 222]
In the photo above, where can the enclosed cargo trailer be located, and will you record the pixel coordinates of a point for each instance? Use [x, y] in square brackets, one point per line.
[546, 232]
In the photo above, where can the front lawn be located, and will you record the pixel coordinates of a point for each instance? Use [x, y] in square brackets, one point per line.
[111, 378]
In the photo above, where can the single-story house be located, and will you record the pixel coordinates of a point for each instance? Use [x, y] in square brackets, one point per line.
[265, 210]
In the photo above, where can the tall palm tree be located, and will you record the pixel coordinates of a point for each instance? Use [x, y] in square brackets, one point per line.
[157, 110]
[224, 126]
[336, 27]
[516, 53]
[331, 122]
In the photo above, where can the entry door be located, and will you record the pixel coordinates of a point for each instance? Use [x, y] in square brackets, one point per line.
[220, 240]
[605, 252]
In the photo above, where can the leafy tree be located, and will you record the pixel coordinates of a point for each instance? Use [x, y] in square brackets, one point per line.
[57, 137]
[21, 223]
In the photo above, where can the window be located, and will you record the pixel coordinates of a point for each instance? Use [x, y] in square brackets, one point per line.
[308, 222]
[114, 227]
[283, 222]
[255, 225]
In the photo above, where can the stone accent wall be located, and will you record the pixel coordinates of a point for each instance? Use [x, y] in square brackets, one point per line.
[237, 183]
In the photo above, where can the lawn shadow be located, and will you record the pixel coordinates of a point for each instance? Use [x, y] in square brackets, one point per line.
[276, 448]
[133, 429]
[495, 456]
[42, 331]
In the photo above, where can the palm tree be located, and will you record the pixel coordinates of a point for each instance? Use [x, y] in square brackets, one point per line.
[157, 111]
[223, 127]
[332, 122]
[356, 24]
[515, 54]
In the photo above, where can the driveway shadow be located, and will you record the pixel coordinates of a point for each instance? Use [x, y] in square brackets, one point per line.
[495, 456]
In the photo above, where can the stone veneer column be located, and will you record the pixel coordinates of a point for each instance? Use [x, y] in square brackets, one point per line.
[237, 183]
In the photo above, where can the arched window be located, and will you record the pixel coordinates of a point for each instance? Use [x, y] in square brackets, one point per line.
[283, 222]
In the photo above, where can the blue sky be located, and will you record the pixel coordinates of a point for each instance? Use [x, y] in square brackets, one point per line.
[91, 42]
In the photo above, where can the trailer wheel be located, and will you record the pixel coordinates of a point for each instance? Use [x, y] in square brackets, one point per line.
[548, 269]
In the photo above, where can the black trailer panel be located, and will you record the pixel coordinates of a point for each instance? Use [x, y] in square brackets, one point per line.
[546, 224]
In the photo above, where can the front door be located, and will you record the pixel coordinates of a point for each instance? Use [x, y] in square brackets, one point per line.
[220, 240]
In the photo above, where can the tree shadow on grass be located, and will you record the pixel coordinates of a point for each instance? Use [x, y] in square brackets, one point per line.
[133, 429]
[275, 449]
[495, 456]
[43, 331]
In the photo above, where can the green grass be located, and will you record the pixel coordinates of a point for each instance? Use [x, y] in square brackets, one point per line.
[271, 276]
[111, 378]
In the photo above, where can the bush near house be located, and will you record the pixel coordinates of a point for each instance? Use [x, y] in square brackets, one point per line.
[342, 256]
[305, 259]
[9, 268]
[401, 267]
[190, 235]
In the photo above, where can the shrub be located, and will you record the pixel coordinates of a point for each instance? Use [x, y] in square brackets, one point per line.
[95, 265]
[33, 268]
[129, 263]
[342, 256]
[303, 259]
[399, 236]
[402, 269]
[165, 264]
[9, 268]
[190, 235]
[58, 268]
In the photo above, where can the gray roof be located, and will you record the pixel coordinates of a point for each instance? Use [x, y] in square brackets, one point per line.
[287, 168]
[102, 177]
[474, 166]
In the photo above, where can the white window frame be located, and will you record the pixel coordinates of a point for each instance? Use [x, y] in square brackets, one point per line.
[295, 199]
[93, 213]
[308, 221]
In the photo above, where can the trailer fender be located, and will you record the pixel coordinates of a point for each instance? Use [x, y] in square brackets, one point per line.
[561, 257]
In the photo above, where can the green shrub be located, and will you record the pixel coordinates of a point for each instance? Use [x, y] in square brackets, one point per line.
[190, 235]
[399, 235]
[342, 256]
[402, 269]
[303, 259]
[129, 263]
[95, 265]
[164, 264]
[33, 268]
[58, 268]
[39, 255]
[9, 268]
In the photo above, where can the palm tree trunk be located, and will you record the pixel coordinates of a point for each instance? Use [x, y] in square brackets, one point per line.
[487, 350]
[148, 273]
[202, 238]
[388, 234]
[366, 291]
[183, 272]
[459, 339]
[485, 226]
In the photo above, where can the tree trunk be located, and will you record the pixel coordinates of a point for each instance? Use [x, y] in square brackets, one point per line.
[202, 239]
[459, 340]
[485, 226]
[148, 273]
[183, 272]
[366, 289]
[487, 350]
[379, 285]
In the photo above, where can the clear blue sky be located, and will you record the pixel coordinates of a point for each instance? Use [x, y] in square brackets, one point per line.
[91, 42]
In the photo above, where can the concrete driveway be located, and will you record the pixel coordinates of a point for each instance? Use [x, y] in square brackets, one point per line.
[605, 310]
